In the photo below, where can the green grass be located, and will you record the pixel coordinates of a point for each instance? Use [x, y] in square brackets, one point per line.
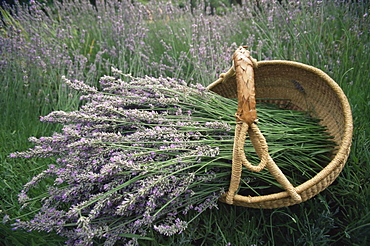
[333, 37]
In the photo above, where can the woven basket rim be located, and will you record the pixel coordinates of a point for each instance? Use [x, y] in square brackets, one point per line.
[344, 148]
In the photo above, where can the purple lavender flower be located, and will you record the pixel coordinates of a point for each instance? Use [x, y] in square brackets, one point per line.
[132, 151]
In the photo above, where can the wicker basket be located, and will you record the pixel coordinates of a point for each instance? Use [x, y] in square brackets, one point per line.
[309, 89]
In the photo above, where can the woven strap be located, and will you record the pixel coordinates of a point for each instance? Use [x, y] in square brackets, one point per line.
[246, 117]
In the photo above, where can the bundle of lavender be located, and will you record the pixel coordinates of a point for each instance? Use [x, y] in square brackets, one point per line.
[143, 152]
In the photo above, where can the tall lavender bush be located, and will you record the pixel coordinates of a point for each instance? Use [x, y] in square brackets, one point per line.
[83, 41]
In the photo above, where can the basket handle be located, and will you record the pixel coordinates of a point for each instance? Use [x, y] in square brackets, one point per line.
[246, 117]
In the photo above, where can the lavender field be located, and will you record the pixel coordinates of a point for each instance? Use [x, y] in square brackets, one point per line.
[45, 46]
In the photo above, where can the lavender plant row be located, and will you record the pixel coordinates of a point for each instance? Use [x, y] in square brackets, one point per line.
[82, 41]
[141, 153]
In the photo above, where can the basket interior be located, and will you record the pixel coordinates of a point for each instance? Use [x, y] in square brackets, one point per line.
[307, 89]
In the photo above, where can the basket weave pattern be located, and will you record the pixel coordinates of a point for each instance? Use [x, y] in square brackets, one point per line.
[308, 89]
